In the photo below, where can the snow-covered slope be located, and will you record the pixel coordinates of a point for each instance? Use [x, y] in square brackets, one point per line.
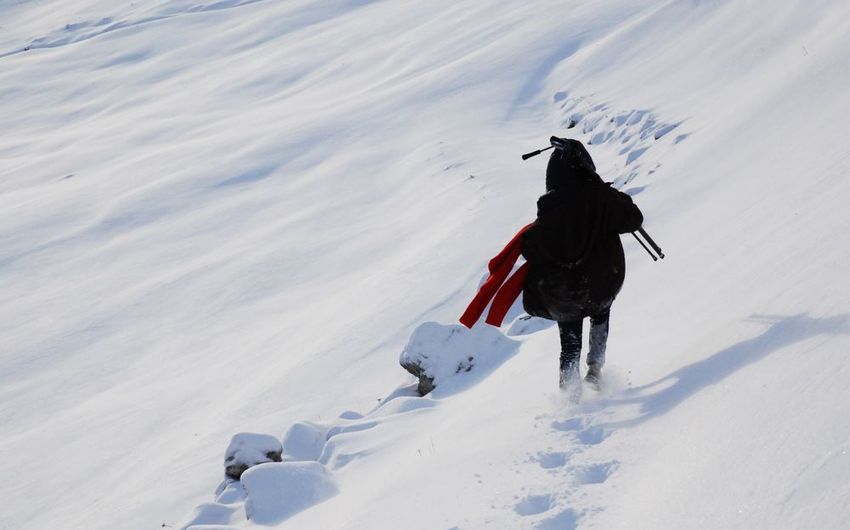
[225, 216]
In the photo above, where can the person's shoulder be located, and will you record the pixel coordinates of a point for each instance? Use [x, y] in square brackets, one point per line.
[595, 182]
[549, 204]
[551, 198]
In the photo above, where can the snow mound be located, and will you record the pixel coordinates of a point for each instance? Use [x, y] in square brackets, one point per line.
[275, 492]
[247, 450]
[454, 357]
[304, 441]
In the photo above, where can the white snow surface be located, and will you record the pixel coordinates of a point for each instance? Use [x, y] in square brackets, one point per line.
[224, 216]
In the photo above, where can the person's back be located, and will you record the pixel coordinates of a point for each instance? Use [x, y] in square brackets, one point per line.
[576, 259]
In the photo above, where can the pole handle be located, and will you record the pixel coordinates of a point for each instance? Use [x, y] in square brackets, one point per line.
[526, 156]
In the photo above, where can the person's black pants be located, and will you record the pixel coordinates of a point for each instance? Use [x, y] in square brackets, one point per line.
[571, 340]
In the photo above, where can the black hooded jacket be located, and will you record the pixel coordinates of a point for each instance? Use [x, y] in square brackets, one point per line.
[576, 261]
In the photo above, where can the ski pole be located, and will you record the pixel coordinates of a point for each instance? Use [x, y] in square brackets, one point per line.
[645, 247]
[649, 240]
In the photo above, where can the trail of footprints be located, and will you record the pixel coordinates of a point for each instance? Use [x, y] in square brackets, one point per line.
[553, 509]
[626, 136]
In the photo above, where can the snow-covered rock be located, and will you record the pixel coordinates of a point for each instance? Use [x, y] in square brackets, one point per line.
[438, 353]
[247, 450]
[275, 492]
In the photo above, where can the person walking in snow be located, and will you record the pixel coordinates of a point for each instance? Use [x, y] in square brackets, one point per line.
[576, 260]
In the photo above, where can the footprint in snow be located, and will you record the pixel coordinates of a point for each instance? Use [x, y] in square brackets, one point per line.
[534, 504]
[586, 434]
[595, 473]
[565, 520]
[551, 460]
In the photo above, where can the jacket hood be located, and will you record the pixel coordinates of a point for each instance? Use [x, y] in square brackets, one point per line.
[567, 164]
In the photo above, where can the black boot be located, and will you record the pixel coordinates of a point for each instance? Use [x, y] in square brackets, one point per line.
[570, 381]
[594, 373]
